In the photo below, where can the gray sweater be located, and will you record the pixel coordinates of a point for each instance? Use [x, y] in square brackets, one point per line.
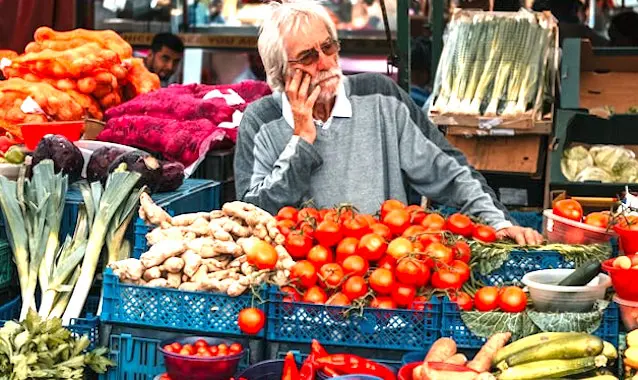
[385, 146]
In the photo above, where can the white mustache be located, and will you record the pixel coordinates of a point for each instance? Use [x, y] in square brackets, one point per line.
[323, 75]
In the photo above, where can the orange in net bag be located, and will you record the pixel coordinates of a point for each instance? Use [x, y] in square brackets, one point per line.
[107, 39]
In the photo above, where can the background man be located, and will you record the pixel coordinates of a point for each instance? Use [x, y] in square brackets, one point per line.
[166, 54]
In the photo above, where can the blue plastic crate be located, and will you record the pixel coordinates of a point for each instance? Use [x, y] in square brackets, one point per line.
[531, 219]
[138, 357]
[205, 312]
[452, 326]
[521, 262]
[399, 329]
[87, 325]
[6, 265]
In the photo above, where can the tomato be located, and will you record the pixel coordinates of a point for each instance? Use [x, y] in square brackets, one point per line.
[168, 348]
[461, 268]
[486, 298]
[417, 214]
[369, 219]
[354, 287]
[203, 350]
[315, 295]
[355, 265]
[265, 256]
[306, 214]
[598, 219]
[372, 247]
[383, 303]
[397, 220]
[298, 245]
[462, 251]
[412, 272]
[419, 303]
[429, 238]
[235, 348]
[574, 236]
[433, 222]
[291, 294]
[356, 227]
[200, 343]
[389, 205]
[287, 213]
[307, 229]
[414, 232]
[403, 294]
[185, 352]
[222, 350]
[251, 320]
[176, 346]
[446, 279]
[331, 275]
[382, 281]
[399, 248]
[439, 254]
[459, 224]
[338, 299]
[486, 234]
[285, 226]
[568, 208]
[512, 299]
[347, 247]
[304, 273]
[387, 262]
[328, 233]
[381, 230]
[320, 255]
[214, 350]
[463, 300]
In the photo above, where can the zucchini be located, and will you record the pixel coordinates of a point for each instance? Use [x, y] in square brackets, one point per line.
[528, 342]
[565, 348]
[552, 369]
[582, 275]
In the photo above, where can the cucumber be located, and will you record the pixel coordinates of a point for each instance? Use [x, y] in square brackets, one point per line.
[565, 348]
[582, 275]
[552, 369]
[528, 342]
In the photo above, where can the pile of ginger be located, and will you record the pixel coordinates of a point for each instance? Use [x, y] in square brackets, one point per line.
[206, 251]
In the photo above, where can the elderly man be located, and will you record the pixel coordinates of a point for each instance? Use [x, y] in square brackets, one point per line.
[357, 139]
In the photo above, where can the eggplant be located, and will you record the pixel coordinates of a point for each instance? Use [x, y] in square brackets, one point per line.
[100, 161]
[172, 176]
[66, 157]
[145, 164]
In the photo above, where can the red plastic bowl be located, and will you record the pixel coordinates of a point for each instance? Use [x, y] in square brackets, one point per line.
[32, 133]
[628, 240]
[405, 373]
[200, 368]
[622, 280]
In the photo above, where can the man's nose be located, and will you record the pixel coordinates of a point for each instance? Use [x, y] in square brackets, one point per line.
[324, 62]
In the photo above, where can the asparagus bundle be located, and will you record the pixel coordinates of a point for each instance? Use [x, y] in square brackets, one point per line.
[495, 64]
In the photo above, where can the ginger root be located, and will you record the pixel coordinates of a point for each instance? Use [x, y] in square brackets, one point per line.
[129, 270]
[174, 280]
[152, 213]
[192, 261]
[152, 274]
[173, 265]
[186, 220]
[249, 213]
[159, 234]
[158, 283]
[162, 251]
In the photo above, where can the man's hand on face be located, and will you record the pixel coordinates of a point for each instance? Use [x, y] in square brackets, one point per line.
[522, 235]
[302, 104]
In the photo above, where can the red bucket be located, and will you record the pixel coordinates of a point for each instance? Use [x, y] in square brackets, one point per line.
[405, 373]
[628, 240]
[32, 133]
[623, 280]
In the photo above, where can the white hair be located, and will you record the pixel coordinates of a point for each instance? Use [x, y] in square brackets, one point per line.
[285, 18]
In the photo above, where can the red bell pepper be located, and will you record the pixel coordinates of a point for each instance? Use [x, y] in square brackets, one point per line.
[441, 366]
[355, 365]
[6, 142]
[330, 372]
[291, 372]
[318, 350]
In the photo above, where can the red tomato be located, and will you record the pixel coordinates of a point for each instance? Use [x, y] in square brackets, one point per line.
[285, 226]
[307, 213]
[328, 233]
[222, 350]
[461, 268]
[291, 294]
[315, 295]
[418, 247]
[446, 279]
[414, 232]
[598, 219]
[512, 299]
[338, 299]
[185, 352]
[304, 273]
[417, 214]
[389, 205]
[251, 320]
[486, 234]
[433, 222]
[320, 255]
[355, 227]
[412, 272]
[462, 251]
[372, 247]
[189, 348]
[400, 248]
[298, 245]
[382, 281]
[387, 262]
[381, 230]
[214, 351]
[439, 254]
[331, 275]
[201, 343]
[307, 229]
[235, 348]
[383, 303]
[265, 257]
[486, 298]
[203, 350]
[354, 287]
[329, 214]
[419, 303]
[287, 212]
[347, 247]
[176, 346]
[369, 219]
[355, 265]
[463, 300]
[168, 348]
[403, 295]
[397, 220]
[568, 208]
[430, 238]
[459, 224]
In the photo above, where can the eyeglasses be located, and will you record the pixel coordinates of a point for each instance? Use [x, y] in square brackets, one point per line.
[308, 57]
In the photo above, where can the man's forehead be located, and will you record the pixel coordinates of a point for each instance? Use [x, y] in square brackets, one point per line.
[170, 52]
[307, 37]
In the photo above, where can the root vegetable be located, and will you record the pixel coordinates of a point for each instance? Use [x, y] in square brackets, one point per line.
[280, 278]
[237, 263]
[284, 261]
[226, 247]
[441, 350]
[216, 214]
[201, 275]
[458, 359]
[174, 280]
[160, 234]
[192, 261]
[185, 278]
[260, 231]
[483, 359]
[152, 274]
[152, 213]
[235, 227]
[236, 289]
[249, 213]
[161, 252]
[128, 270]
[219, 233]
[204, 247]
[247, 269]
[173, 265]
[191, 286]
[226, 273]
[158, 283]
[199, 227]
[215, 265]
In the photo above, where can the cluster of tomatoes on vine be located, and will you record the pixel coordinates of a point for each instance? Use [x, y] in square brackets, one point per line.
[390, 260]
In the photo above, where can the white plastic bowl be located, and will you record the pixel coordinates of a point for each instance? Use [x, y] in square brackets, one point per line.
[548, 296]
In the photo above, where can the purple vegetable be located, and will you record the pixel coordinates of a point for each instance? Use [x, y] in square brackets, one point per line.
[101, 160]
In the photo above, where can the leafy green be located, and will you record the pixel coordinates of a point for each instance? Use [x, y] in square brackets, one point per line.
[486, 324]
[565, 322]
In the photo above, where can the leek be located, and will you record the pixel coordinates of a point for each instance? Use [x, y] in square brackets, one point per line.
[490, 68]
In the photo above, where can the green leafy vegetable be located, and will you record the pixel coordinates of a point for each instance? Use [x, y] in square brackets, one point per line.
[487, 324]
[565, 322]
